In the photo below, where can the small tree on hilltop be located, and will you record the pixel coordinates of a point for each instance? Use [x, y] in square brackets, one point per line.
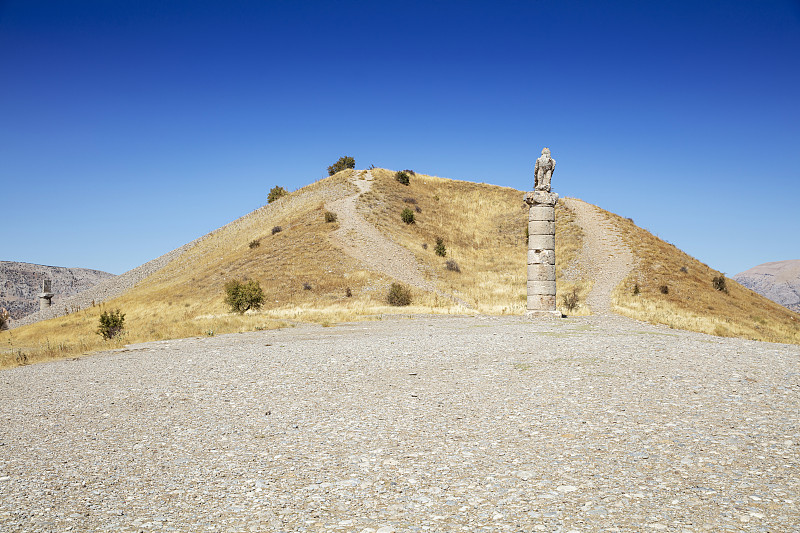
[275, 193]
[343, 163]
[241, 296]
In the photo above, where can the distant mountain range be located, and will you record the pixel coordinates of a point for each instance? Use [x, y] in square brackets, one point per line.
[779, 281]
[20, 284]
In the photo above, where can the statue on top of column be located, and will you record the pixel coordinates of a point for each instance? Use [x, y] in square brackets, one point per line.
[543, 171]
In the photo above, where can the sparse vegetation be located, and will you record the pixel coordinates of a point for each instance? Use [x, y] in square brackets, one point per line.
[440, 248]
[570, 300]
[4, 317]
[407, 216]
[343, 163]
[348, 293]
[255, 243]
[330, 217]
[452, 266]
[684, 269]
[243, 295]
[111, 324]
[410, 172]
[410, 200]
[636, 289]
[276, 193]
[663, 289]
[306, 286]
[399, 295]
[276, 229]
[403, 177]
[720, 284]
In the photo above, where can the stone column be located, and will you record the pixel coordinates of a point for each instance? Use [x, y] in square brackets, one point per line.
[45, 296]
[542, 252]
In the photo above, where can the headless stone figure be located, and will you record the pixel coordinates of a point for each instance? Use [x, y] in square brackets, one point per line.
[543, 171]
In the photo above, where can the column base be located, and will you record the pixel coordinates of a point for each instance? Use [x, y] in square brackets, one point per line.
[545, 314]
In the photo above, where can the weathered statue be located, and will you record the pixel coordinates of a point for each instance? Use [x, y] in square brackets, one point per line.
[543, 171]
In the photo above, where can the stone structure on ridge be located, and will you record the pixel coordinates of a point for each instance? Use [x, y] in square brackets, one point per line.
[542, 239]
[46, 295]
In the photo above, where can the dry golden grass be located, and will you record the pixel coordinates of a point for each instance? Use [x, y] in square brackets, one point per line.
[484, 230]
[691, 302]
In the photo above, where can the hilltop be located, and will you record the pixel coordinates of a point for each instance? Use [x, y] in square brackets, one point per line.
[329, 268]
[779, 281]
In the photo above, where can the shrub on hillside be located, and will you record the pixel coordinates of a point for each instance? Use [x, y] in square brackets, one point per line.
[452, 266]
[330, 216]
[111, 324]
[255, 243]
[570, 300]
[403, 177]
[344, 162]
[720, 284]
[276, 229]
[306, 286]
[410, 200]
[411, 172]
[407, 216]
[664, 289]
[241, 296]
[636, 289]
[440, 249]
[5, 316]
[399, 295]
[275, 193]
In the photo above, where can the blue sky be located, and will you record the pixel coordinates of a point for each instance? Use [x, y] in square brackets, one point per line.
[129, 128]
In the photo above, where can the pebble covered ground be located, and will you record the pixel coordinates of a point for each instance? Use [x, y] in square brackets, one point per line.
[409, 424]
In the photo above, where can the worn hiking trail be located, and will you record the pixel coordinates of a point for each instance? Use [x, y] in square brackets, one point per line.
[605, 257]
[363, 241]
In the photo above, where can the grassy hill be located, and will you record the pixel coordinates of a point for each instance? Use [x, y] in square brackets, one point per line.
[677, 290]
[306, 277]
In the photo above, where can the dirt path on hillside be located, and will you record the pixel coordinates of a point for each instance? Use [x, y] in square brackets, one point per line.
[361, 240]
[605, 258]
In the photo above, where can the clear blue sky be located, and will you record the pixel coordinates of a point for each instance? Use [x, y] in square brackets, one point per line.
[128, 128]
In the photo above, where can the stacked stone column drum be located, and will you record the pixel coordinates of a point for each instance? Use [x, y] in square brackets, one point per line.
[541, 252]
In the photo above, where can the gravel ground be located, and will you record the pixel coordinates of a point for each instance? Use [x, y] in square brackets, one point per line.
[409, 424]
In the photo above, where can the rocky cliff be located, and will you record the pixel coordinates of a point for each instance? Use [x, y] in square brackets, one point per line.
[20, 283]
[779, 281]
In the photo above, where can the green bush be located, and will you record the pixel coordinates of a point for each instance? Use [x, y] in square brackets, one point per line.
[399, 295]
[276, 229]
[330, 217]
[275, 193]
[440, 249]
[403, 177]
[343, 163]
[111, 324]
[241, 296]
[255, 243]
[664, 289]
[407, 215]
[720, 284]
